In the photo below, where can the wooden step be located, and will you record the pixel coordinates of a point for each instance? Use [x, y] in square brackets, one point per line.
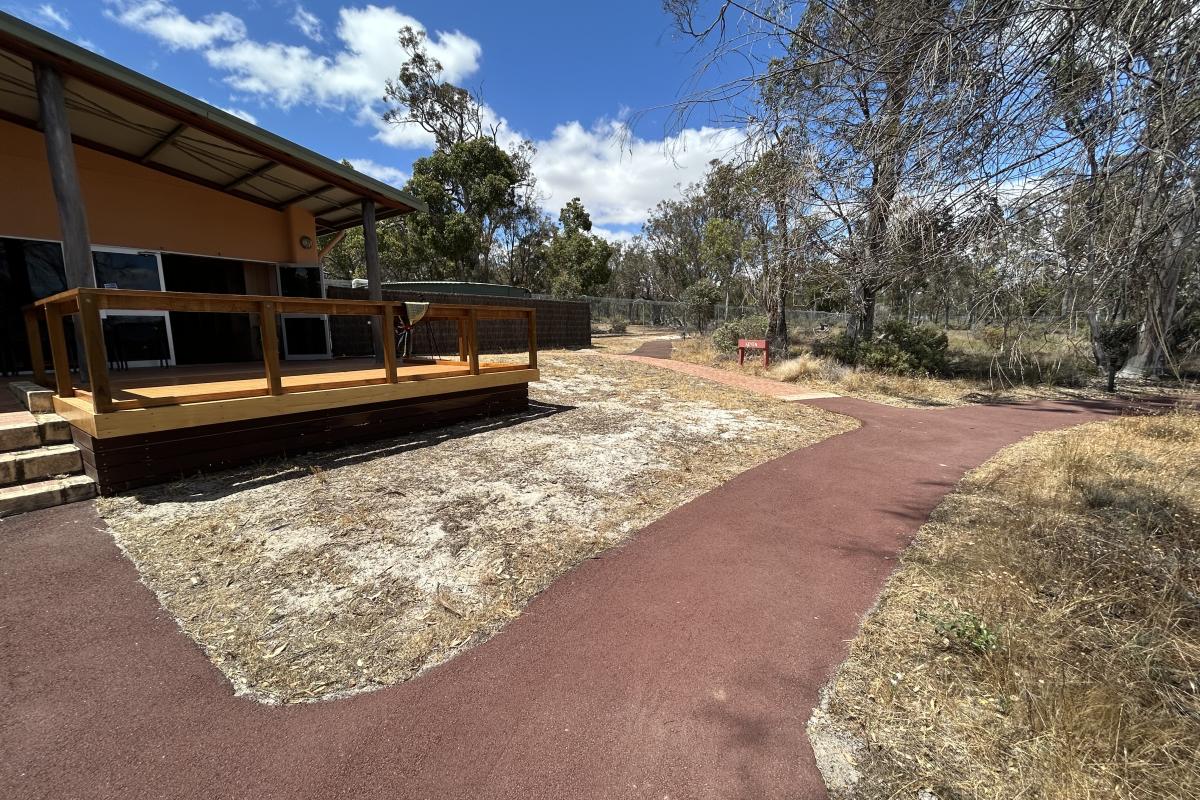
[25, 466]
[45, 494]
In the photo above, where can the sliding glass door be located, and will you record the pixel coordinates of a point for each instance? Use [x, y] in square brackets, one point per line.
[134, 338]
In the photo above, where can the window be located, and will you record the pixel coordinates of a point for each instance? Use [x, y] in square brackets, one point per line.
[300, 281]
[126, 270]
[134, 338]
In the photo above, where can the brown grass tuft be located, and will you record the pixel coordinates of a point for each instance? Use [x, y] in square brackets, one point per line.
[1042, 636]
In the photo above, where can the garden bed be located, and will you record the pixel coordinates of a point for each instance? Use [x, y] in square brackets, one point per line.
[354, 569]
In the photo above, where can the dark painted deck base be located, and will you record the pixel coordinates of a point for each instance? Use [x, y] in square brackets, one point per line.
[126, 462]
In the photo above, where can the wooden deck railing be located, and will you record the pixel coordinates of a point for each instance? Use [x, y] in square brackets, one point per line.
[88, 303]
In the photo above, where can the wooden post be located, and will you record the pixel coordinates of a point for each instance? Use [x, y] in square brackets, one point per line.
[270, 347]
[472, 341]
[59, 358]
[532, 339]
[389, 339]
[94, 352]
[461, 325]
[33, 332]
[374, 276]
[64, 178]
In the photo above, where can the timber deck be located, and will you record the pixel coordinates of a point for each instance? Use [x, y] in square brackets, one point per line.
[146, 425]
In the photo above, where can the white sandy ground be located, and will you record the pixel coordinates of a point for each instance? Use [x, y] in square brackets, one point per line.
[354, 569]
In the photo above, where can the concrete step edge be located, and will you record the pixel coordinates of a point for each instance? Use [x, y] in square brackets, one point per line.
[20, 435]
[45, 494]
[39, 463]
[33, 396]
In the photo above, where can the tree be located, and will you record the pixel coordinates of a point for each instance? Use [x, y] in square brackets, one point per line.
[475, 188]
[699, 299]
[577, 258]
[469, 188]
[1076, 126]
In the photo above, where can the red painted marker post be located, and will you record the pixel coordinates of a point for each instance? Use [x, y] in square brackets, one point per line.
[753, 344]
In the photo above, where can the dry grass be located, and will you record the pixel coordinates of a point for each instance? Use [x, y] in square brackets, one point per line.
[1041, 638]
[355, 569]
[915, 391]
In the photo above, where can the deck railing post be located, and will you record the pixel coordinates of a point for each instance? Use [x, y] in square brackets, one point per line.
[473, 340]
[94, 352]
[461, 325]
[389, 342]
[270, 347]
[33, 332]
[532, 318]
[59, 357]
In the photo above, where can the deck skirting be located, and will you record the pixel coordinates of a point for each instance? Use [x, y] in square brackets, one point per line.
[118, 463]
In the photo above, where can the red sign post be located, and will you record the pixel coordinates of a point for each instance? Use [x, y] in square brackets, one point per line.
[753, 344]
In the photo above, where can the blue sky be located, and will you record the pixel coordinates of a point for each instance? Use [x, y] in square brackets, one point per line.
[566, 75]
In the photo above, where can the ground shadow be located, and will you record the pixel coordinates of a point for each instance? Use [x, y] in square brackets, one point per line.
[208, 486]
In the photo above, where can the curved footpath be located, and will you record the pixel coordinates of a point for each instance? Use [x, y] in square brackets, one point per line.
[683, 665]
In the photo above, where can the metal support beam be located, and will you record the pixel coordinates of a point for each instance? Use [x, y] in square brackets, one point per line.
[291, 201]
[251, 175]
[163, 142]
[379, 337]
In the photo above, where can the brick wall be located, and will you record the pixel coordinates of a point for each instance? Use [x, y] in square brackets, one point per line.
[560, 323]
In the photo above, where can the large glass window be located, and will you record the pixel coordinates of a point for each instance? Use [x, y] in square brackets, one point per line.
[119, 270]
[29, 270]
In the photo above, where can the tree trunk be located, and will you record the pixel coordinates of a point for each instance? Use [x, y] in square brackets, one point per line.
[1150, 352]
[862, 313]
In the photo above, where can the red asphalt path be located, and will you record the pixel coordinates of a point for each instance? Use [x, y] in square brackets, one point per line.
[683, 665]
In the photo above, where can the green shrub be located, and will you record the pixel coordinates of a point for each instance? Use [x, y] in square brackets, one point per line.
[899, 349]
[725, 337]
[923, 346]
[618, 325]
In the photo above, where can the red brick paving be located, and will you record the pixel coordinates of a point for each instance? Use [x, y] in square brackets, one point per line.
[750, 383]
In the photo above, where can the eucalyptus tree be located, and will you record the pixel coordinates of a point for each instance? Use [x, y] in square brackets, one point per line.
[862, 99]
[474, 185]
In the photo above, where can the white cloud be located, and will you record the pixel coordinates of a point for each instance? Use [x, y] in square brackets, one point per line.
[308, 23]
[613, 235]
[240, 114]
[286, 75]
[619, 176]
[396, 177]
[53, 16]
[237, 112]
[169, 25]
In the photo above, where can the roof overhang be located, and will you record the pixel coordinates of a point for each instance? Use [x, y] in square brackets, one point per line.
[120, 112]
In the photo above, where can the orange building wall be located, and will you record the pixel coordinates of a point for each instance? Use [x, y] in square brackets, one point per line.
[129, 205]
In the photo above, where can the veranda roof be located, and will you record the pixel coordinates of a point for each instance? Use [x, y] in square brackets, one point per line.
[123, 113]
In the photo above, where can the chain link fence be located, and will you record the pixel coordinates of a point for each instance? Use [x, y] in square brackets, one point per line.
[670, 314]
